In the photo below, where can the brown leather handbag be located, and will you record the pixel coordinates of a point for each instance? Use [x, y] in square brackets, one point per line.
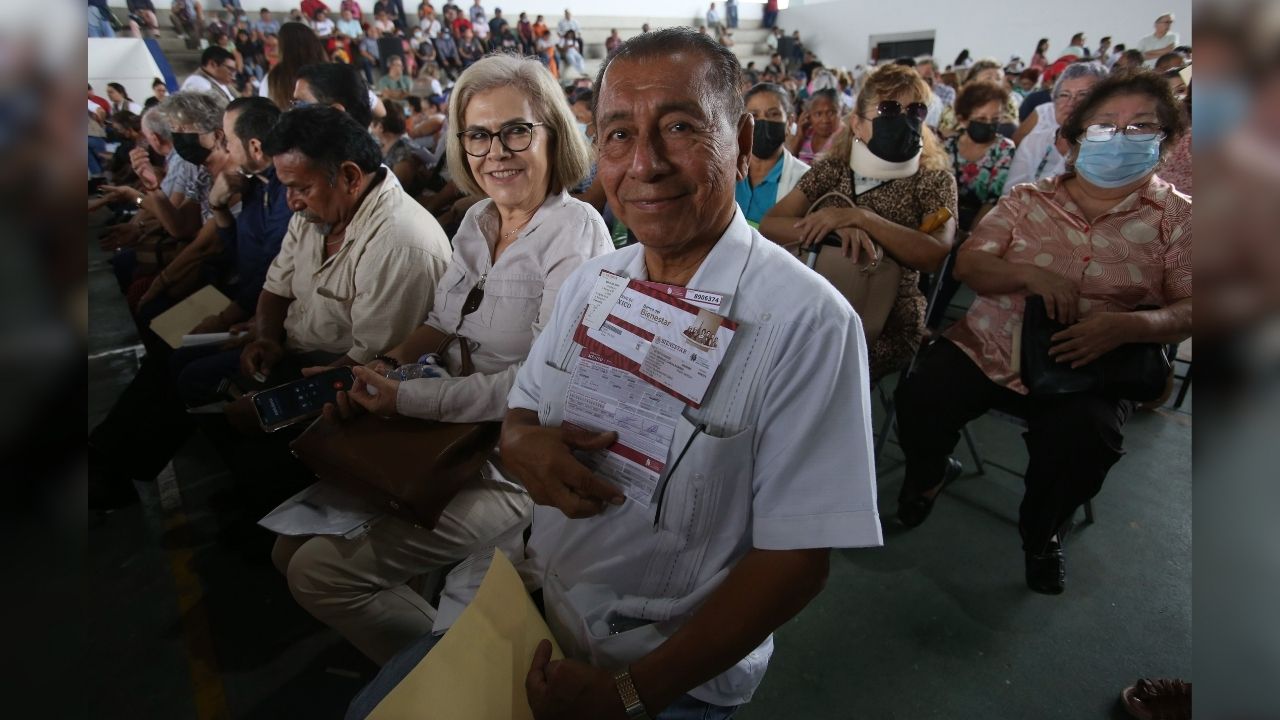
[871, 288]
[408, 467]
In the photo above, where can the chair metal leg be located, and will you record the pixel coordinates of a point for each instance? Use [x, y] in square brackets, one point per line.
[1182, 391]
[973, 451]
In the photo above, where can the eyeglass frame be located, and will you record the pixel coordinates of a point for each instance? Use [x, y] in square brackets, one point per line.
[884, 105]
[1111, 129]
[461, 135]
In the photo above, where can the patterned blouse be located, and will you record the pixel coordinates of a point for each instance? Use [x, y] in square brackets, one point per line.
[906, 202]
[1137, 254]
[981, 181]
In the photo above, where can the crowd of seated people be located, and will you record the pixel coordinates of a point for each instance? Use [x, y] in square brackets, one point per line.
[360, 223]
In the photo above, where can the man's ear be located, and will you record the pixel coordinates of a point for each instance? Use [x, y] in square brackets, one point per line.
[352, 173]
[255, 148]
[746, 132]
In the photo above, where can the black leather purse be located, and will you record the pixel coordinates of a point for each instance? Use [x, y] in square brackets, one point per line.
[1135, 371]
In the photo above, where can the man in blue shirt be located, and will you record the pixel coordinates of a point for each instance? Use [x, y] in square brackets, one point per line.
[251, 241]
[772, 171]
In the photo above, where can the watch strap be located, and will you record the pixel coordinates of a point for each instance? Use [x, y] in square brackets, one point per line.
[631, 703]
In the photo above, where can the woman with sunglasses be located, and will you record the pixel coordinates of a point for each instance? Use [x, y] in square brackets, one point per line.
[1096, 244]
[516, 145]
[892, 167]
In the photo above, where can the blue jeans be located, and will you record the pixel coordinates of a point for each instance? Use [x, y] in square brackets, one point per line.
[96, 145]
[686, 707]
[731, 14]
[99, 25]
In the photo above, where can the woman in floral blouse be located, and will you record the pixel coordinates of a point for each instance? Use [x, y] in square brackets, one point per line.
[979, 155]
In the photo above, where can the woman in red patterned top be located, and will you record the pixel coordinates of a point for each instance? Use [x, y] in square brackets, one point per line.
[1097, 243]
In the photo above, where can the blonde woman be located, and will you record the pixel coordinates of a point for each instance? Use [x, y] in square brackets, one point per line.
[892, 166]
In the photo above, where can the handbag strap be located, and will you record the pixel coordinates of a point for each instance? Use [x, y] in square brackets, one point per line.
[841, 196]
[464, 347]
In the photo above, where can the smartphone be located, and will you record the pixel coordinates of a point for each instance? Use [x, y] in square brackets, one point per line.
[300, 400]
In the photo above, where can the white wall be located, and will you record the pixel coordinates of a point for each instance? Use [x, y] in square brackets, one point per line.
[838, 30]
[123, 60]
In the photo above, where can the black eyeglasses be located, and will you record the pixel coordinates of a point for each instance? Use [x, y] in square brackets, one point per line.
[893, 108]
[515, 137]
[474, 298]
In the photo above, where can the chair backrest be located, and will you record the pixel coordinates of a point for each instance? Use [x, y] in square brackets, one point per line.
[935, 284]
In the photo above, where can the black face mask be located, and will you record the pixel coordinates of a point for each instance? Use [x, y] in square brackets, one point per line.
[767, 138]
[189, 148]
[981, 132]
[895, 138]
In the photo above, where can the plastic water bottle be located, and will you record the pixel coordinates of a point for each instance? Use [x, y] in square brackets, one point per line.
[428, 366]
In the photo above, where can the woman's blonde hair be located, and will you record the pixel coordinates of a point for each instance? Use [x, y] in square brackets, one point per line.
[886, 83]
[568, 154]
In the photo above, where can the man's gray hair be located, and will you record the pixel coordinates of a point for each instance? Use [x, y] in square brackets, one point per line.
[153, 120]
[202, 111]
[1075, 71]
[725, 71]
[927, 60]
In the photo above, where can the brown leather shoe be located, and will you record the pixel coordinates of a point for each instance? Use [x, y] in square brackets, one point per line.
[1158, 699]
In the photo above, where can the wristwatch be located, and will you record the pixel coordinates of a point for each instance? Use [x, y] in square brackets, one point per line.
[138, 200]
[630, 698]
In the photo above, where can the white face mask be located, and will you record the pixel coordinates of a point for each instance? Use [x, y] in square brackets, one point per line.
[867, 164]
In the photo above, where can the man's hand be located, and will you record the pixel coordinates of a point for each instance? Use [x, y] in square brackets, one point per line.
[141, 162]
[241, 334]
[120, 194]
[568, 689]
[226, 185]
[211, 324]
[541, 458]
[1061, 296]
[1091, 338]
[817, 225]
[259, 357]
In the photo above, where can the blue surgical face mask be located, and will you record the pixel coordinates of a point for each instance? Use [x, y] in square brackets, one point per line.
[1116, 162]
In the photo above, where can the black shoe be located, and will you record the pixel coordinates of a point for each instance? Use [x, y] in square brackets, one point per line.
[1047, 571]
[914, 510]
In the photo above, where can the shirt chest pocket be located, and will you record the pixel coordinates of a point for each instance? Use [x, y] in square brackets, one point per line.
[511, 305]
[703, 506]
[451, 292]
[335, 284]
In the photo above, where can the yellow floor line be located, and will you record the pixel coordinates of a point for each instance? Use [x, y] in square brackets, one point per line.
[206, 679]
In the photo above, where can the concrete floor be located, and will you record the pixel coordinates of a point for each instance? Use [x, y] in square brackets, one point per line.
[188, 619]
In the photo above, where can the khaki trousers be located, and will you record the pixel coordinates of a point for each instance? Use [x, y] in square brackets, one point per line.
[361, 587]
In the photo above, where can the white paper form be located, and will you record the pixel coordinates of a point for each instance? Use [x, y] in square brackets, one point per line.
[665, 339]
[604, 398]
[321, 509]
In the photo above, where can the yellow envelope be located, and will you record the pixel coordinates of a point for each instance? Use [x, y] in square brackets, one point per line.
[179, 320]
[477, 670]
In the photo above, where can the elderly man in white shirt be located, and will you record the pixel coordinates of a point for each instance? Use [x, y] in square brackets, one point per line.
[670, 608]
[358, 266]
[1160, 42]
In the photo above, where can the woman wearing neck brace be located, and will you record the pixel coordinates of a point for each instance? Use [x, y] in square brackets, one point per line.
[1096, 244]
[892, 166]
